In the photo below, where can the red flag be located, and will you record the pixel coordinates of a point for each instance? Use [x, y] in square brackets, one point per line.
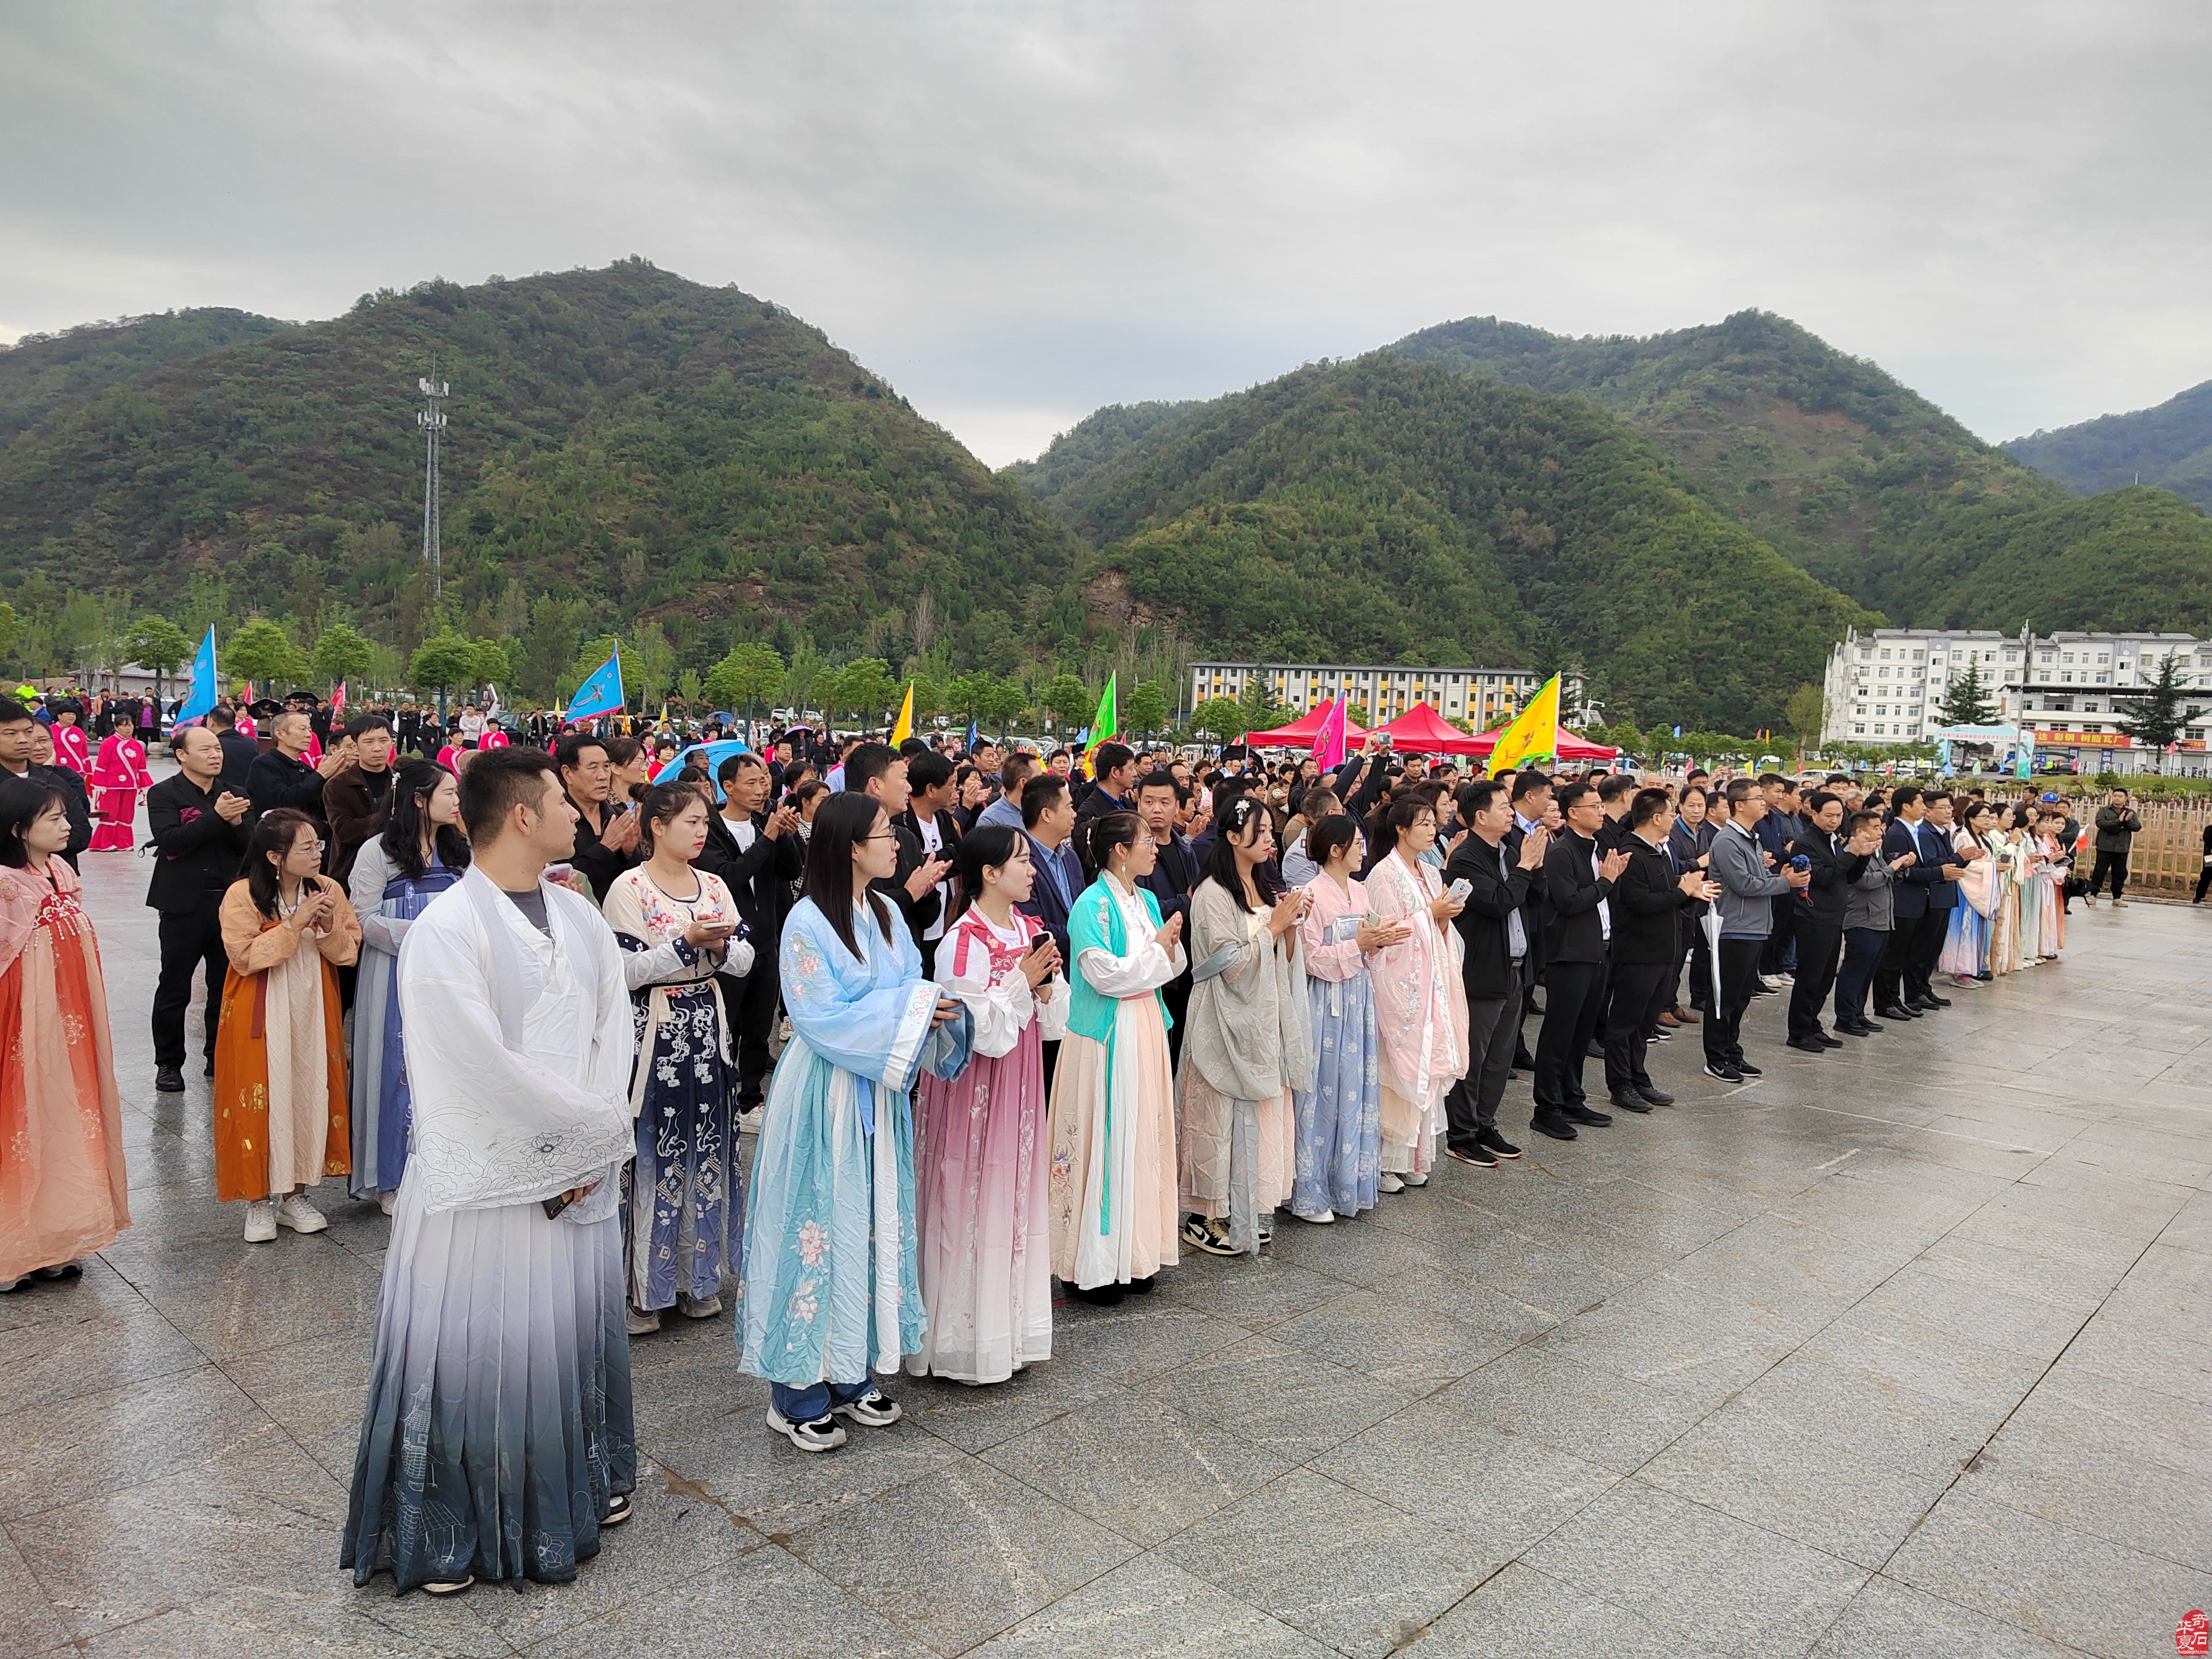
[338, 699]
[1328, 741]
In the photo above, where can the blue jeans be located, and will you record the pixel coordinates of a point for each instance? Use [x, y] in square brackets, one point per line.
[811, 1405]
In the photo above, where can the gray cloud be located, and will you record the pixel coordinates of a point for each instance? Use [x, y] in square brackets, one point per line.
[1018, 212]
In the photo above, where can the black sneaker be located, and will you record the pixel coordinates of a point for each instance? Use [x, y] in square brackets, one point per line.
[1201, 1233]
[874, 1409]
[1898, 1011]
[1628, 1100]
[1746, 1068]
[169, 1079]
[1826, 1041]
[1588, 1115]
[1806, 1045]
[1491, 1142]
[1552, 1124]
[1654, 1096]
[1140, 1286]
[1725, 1073]
[1101, 1295]
[1480, 1157]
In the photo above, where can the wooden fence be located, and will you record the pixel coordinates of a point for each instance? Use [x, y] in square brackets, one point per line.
[2169, 853]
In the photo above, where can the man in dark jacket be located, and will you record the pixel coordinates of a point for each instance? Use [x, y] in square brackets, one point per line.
[19, 735]
[1945, 865]
[282, 777]
[877, 769]
[1115, 767]
[1819, 923]
[1049, 815]
[757, 854]
[1174, 877]
[1578, 884]
[607, 831]
[356, 800]
[1492, 926]
[929, 818]
[238, 751]
[1780, 825]
[1532, 799]
[198, 832]
[1648, 903]
[2118, 825]
[1895, 990]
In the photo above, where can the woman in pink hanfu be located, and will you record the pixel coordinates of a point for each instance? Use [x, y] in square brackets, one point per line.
[119, 780]
[1420, 1002]
[982, 1142]
[72, 748]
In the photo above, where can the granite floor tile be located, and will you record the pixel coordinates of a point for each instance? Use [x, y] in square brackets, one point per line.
[958, 1556]
[1144, 1337]
[1151, 1609]
[973, 1418]
[1598, 1416]
[28, 1624]
[1256, 1295]
[2072, 1475]
[1714, 1580]
[1889, 1621]
[1352, 1573]
[1284, 1398]
[1398, 1343]
[1528, 1615]
[102, 1346]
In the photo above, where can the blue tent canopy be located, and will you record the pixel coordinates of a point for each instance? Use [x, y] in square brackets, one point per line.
[716, 753]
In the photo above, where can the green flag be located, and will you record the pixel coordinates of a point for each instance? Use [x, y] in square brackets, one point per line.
[1105, 725]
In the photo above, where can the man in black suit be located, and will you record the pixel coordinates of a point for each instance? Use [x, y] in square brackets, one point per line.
[1578, 884]
[282, 777]
[238, 751]
[1532, 799]
[1492, 928]
[1901, 849]
[757, 854]
[20, 736]
[1947, 864]
[1647, 907]
[198, 831]
[1819, 923]
[1174, 875]
[878, 770]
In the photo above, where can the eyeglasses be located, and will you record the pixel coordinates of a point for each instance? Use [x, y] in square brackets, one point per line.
[880, 835]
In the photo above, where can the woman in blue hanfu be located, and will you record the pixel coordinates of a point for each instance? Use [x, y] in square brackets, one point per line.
[831, 1290]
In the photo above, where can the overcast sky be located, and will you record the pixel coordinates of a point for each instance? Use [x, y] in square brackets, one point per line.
[1018, 213]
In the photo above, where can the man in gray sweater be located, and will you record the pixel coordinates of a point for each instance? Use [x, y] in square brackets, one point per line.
[1749, 886]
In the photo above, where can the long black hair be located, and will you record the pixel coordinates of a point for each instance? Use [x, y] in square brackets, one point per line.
[278, 832]
[413, 783]
[987, 846]
[20, 802]
[1109, 830]
[1233, 825]
[841, 824]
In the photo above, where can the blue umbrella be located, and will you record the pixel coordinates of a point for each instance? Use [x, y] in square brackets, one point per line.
[716, 752]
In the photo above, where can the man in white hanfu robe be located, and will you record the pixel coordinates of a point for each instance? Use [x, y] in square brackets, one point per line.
[498, 1439]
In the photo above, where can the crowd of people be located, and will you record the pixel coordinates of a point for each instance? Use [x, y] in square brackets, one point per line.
[995, 1017]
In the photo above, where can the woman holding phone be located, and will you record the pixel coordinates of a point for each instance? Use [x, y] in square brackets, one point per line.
[982, 1145]
[683, 1215]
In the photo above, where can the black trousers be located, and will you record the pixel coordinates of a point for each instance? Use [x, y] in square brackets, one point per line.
[2117, 864]
[1723, 1027]
[1774, 957]
[189, 939]
[1701, 963]
[1863, 947]
[1820, 944]
[1927, 935]
[1641, 992]
[1175, 993]
[2203, 881]
[1574, 992]
[1493, 1028]
[750, 1003]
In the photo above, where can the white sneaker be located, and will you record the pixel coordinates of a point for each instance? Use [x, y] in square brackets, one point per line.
[1391, 1181]
[640, 1324]
[388, 1202]
[2119, 905]
[1418, 1179]
[707, 1309]
[1772, 982]
[294, 1212]
[260, 1221]
[1319, 1219]
[749, 1120]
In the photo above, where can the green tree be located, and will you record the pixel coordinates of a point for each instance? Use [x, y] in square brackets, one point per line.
[648, 663]
[490, 665]
[549, 645]
[1219, 718]
[260, 651]
[446, 660]
[153, 641]
[968, 695]
[2157, 716]
[343, 651]
[1145, 709]
[1069, 702]
[1003, 702]
[1807, 712]
[1261, 711]
[1967, 700]
[867, 688]
[752, 673]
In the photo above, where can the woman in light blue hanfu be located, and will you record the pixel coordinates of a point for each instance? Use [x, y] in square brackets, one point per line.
[831, 1290]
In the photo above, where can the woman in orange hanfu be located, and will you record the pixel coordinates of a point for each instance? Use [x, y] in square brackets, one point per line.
[62, 1186]
[280, 1064]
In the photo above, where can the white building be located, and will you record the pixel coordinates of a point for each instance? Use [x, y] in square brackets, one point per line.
[1376, 693]
[1887, 687]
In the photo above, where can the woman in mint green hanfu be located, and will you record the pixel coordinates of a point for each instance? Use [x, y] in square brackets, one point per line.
[831, 1292]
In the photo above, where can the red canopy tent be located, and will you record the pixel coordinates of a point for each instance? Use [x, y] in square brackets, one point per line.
[1301, 733]
[1572, 748]
[1422, 731]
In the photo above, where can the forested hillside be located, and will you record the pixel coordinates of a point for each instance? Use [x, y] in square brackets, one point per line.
[42, 373]
[1826, 456]
[1381, 508]
[623, 443]
[2169, 445]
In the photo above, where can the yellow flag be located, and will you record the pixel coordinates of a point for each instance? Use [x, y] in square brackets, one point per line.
[1533, 735]
[905, 729]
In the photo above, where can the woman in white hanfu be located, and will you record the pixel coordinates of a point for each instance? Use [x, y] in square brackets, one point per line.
[498, 1440]
[1113, 1179]
[1420, 1002]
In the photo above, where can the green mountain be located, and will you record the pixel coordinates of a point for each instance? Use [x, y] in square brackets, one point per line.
[2169, 445]
[1824, 455]
[42, 373]
[1383, 508]
[623, 442]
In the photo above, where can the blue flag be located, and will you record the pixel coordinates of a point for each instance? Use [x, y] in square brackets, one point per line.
[201, 697]
[969, 747]
[602, 694]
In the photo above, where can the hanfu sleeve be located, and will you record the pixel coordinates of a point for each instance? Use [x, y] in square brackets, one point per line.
[252, 945]
[842, 1010]
[644, 963]
[1327, 956]
[1222, 940]
[738, 956]
[1051, 1010]
[338, 938]
[1000, 1010]
[364, 887]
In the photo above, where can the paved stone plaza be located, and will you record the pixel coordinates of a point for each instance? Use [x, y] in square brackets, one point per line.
[1903, 1351]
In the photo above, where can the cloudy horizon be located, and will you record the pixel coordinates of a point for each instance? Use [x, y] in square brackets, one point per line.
[1018, 214]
